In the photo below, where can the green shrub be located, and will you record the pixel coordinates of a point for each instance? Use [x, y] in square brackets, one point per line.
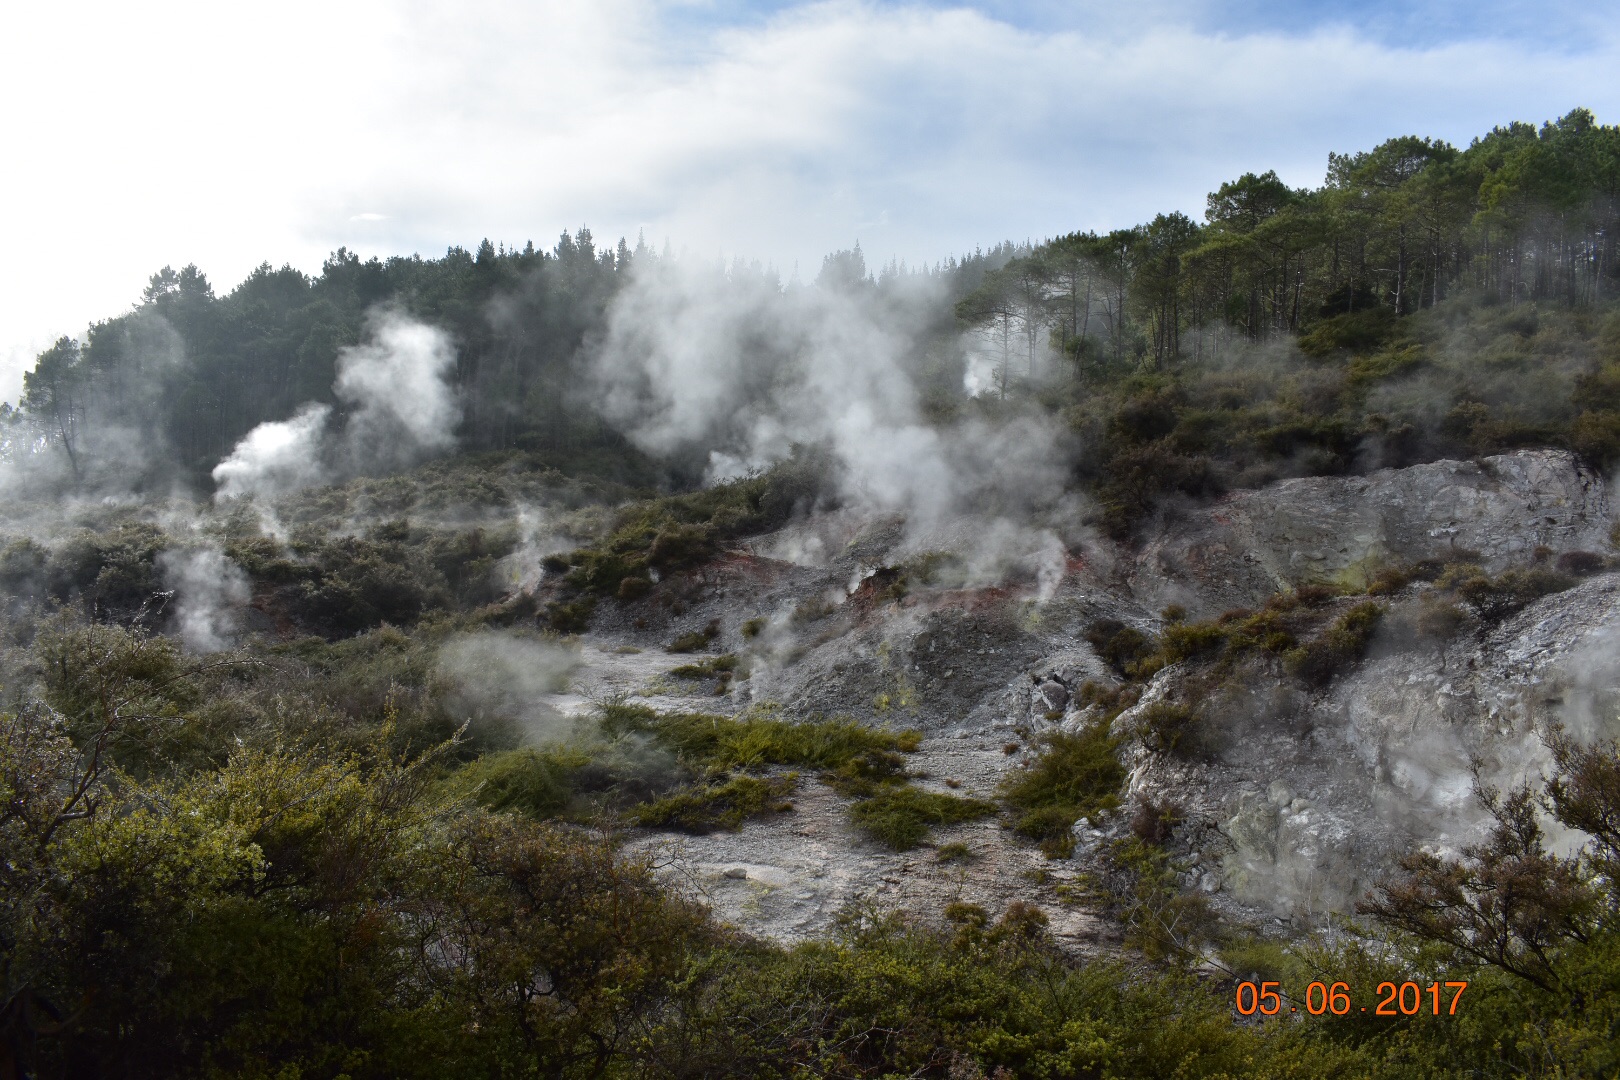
[22, 567]
[696, 640]
[1152, 822]
[1135, 478]
[755, 741]
[1074, 776]
[1508, 593]
[1140, 887]
[812, 609]
[1356, 331]
[1439, 618]
[1183, 641]
[572, 616]
[633, 588]
[1337, 648]
[899, 816]
[717, 665]
[1581, 563]
[1121, 646]
[1595, 436]
[1168, 728]
[1365, 370]
[536, 783]
[677, 532]
[724, 805]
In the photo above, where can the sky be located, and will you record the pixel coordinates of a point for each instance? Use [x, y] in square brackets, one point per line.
[165, 133]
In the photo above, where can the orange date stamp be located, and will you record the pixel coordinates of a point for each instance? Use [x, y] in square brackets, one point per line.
[1403, 999]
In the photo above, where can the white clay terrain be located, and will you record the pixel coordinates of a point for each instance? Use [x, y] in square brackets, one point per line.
[1307, 797]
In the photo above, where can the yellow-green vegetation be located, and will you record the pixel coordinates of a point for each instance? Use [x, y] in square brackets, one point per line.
[899, 815]
[718, 806]
[1075, 775]
[675, 532]
[1137, 884]
[231, 865]
[696, 640]
[760, 738]
[714, 665]
[930, 569]
[721, 667]
[1168, 728]
[1339, 646]
[1507, 593]
[860, 762]
[538, 783]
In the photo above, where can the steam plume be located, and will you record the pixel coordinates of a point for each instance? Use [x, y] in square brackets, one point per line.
[401, 409]
[739, 370]
[209, 588]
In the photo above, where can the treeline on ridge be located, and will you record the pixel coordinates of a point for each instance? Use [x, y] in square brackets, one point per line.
[1424, 301]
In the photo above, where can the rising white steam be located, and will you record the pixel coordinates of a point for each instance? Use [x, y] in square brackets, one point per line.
[403, 406]
[275, 457]
[741, 370]
[210, 591]
[507, 678]
[400, 409]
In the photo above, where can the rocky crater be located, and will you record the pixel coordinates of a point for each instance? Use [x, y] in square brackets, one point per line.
[1295, 797]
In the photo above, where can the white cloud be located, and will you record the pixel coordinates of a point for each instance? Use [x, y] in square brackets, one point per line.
[140, 135]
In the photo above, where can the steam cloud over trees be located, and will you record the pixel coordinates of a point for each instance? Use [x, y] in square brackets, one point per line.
[365, 635]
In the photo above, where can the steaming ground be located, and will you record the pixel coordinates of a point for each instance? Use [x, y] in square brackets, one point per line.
[971, 628]
[1308, 800]
[399, 409]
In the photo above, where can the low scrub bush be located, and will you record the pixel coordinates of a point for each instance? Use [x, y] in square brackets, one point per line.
[1337, 648]
[1137, 477]
[1507, 594]
[899, 816]
[1138, 884]
[677, 532]
[1168, 728]
[1581, 563]
[1439, 617]
[695, 641]
[758, 740]
[1121, 646]
[1153, 822]
[1074, 776]
[572, 616]
[1357, 331]
[723, 805]
[533, 782]
[716, 666]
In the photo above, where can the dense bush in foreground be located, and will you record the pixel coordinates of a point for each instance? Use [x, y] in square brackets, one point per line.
[203, 874]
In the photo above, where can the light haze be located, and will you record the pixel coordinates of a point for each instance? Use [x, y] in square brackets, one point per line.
[228, 135]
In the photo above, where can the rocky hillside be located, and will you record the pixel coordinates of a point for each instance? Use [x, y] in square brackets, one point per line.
[1288, 784]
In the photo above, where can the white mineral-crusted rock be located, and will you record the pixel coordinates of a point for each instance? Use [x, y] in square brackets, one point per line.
[1313, 805]
[1249, 544]
[1303, 802]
